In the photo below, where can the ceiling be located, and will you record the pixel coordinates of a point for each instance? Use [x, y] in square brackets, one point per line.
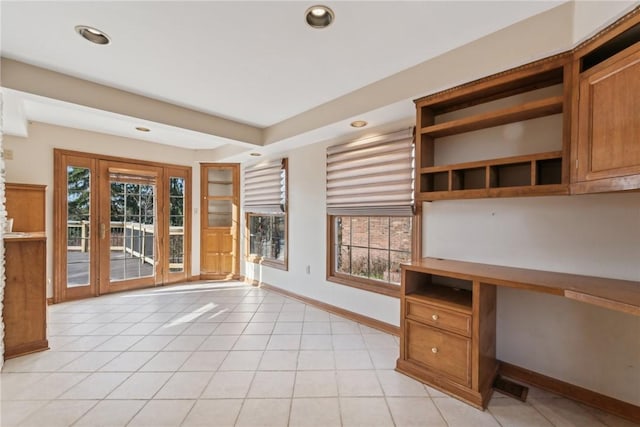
[255, 63]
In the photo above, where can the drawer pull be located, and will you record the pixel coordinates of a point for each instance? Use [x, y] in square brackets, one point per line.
[434, 350]
[435, 316]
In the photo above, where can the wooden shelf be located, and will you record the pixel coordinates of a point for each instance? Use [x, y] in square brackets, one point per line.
[534, 174]
[447, 297]
[614, 294]
[529, 110]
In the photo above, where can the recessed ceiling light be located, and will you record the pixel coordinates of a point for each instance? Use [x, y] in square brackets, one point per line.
[92, 34]
[358, 124]
[319, 16]
[142, 129]
[255, 154]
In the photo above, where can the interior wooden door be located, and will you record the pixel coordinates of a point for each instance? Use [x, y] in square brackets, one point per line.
[130, 226]
[220, 215]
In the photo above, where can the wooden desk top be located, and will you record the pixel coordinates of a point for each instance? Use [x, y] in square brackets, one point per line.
[25, 236]
[621, 295]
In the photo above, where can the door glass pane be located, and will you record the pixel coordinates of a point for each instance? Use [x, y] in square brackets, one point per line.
[220, 182]
[176, 224]
[78, 218]
[219, 213]
[133, 234]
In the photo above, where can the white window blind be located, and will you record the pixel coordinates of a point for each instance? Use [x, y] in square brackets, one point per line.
[132, 177]
[372, 176]
[265, 187]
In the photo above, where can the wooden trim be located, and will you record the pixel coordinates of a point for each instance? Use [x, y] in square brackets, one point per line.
[366, 285]
[352, 281]
[466, 394]
[489, 84]
[350, 315]
[416, 231]
[591, 398]
[603, 36]
[117, 159]
[267, 262]
[28, 348]
[194, 278]
[50, 301]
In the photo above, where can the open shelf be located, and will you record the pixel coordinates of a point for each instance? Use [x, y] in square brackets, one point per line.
[529, 110]
[469, 180]
[507, 103]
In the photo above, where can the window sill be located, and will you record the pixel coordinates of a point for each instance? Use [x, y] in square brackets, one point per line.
[280, 265]
[367, 285]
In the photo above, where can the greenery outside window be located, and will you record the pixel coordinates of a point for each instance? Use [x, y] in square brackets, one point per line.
[267, 238]
[366, 251]
[265, 205]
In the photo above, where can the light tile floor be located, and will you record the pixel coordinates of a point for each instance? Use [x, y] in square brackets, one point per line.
[226, 354]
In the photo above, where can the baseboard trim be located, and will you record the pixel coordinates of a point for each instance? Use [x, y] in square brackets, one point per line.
[365, 320]
[49, 301]
[194, 278]
[591, 398]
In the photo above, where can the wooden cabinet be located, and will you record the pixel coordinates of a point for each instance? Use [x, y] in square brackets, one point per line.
[219, 221]
[593, 91]
[25, 205]
[607, 156]
[534, 91]
[448, 319]
[447, 334]
[25, 294]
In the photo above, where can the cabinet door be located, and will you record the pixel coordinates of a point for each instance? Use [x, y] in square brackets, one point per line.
[609, 123]
[219, 246]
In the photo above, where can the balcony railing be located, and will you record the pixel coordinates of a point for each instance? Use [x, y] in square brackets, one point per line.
[132, 238]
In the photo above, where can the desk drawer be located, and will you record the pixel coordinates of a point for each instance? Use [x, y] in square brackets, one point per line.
[439, 317]
[446, 354]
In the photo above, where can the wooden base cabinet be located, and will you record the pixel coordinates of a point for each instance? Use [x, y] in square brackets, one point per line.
[447, 337]
[24, 306]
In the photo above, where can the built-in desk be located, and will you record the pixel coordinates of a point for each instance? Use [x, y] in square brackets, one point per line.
[448, 320]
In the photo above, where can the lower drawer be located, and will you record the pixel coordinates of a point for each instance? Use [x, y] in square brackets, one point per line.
[444, 353]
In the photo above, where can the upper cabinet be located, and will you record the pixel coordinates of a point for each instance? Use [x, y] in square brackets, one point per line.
[25, 204]
[567, 124]
[496, 137]
[607, 149]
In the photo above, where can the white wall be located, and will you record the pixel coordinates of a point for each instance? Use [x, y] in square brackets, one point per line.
[308, 244]
[33, 164]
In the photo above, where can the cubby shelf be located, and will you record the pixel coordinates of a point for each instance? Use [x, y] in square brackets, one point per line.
[530, 92]
[527, 111]
[509, 176]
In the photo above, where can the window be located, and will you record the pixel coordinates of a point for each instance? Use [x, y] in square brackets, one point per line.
[370, 211]
[267, 237]
[265, 205]
[372, 247]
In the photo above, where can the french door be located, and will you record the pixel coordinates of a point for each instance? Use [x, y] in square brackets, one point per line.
[129, 229]
[119, 225]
